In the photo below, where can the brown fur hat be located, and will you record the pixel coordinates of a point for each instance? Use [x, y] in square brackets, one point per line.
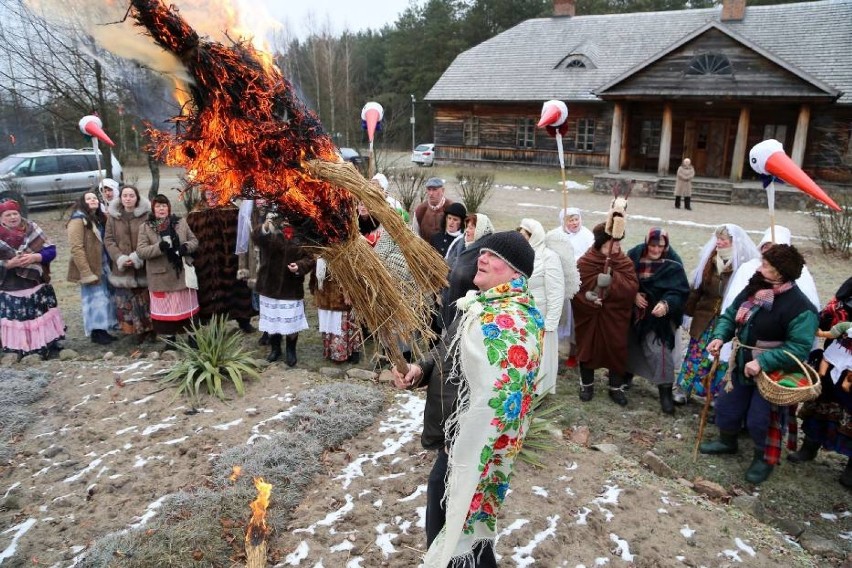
[616, 221]
[786, 260]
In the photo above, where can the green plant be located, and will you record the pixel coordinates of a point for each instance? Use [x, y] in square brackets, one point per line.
[834, 228]
[475, 188]
[539, 438]
[217, 359]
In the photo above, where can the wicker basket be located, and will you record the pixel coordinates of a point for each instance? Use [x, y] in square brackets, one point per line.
[788, 396]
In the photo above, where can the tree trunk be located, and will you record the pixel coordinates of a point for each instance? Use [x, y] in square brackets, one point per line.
[154, 167]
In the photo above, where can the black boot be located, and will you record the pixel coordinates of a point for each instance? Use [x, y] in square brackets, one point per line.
[616, 389]
[170, 343]
[101, 337]
[759, 471]
[846, 476]
[275, 351]
[291, 349]
[666, 399]
[264, 339]
[245, 325]
[726, 444]
[687, 203]
[808, 451]
[627, 382]
[677, 201]
[587, 384]
[354, 357]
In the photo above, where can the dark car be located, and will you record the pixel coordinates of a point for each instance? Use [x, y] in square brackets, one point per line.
[351, 155]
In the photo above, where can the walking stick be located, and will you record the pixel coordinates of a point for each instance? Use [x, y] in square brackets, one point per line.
[708, 381]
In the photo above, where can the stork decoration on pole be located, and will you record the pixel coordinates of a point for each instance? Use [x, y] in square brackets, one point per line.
[371, 119]
[554, 117]
[93, 129]
[769, 161]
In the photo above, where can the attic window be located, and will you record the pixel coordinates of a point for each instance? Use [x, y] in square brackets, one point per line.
[575, 64]
[710, 64]
[575, 61]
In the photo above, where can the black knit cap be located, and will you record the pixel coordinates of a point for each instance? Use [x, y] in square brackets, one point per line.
[457, 209]
[512, 247]
[786, 260]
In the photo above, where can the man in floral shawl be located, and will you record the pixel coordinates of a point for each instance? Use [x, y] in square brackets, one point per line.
[480, 384]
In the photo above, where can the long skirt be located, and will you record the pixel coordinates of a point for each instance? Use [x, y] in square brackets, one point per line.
[341, 335]
[98, 306]
[696, 366]
[828, 419]
[173, 312]
[133, 309]
[282, 316]
[549, 364]
[651, 358]
[30, 321]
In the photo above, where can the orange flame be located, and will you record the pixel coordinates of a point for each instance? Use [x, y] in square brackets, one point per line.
[257, 529]
[235, 474]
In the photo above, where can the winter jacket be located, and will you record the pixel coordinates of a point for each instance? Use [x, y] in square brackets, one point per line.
[120, 239]
[274, 279]
[428, 220]
[87, 250]
[441, 394]
[705, 302]
[547, 281]
[683, 184]
[792, 321]
[162, 276]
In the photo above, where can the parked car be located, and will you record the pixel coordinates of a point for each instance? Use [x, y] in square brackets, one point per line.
[424, 155]
[51, 177]
[352, 155]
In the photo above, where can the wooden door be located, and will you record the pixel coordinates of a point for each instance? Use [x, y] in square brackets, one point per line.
[705, 143]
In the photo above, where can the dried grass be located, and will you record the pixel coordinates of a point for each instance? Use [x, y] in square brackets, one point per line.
[18, 390]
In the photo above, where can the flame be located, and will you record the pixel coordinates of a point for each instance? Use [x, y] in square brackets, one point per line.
[245, 132]
[238, 470]
[257, 529]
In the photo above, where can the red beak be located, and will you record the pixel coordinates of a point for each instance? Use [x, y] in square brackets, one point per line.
[549, 116]
[782, 167]
[92, 129]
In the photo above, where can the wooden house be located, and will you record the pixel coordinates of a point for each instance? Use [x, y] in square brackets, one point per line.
[646, 90]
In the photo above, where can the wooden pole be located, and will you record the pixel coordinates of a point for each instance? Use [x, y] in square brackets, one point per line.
[705, 412]
[255, 548]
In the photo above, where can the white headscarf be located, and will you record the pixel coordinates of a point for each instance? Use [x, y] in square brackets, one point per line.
[743, 251]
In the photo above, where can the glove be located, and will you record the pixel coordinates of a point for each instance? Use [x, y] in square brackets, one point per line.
[164, 246]
[184, 249]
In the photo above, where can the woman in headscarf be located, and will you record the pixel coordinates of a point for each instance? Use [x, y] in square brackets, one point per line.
[657, 313]
[89, 267]
[547, 287]
[571, 223]
[463, 268]
[30, 321]
[727, 249]
[341, 334]
[165, 244]
[125, 216]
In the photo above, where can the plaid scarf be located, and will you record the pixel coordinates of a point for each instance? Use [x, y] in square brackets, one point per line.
[26, 238]
[647, 267]
[778, 417]
[761, 299]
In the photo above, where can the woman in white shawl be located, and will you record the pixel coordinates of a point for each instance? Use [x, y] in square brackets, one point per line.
[547, 287]
[729, 248]
[571, 223]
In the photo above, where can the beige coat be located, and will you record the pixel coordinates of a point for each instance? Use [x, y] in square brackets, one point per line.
[683, 185]
[120, 239]
[86, 263]
[161, 274]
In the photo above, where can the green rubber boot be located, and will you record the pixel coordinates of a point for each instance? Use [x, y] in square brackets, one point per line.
[726, 444]
[759, 471]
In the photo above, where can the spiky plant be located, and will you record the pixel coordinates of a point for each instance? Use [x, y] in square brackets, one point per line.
[218, 359]
[539, 438]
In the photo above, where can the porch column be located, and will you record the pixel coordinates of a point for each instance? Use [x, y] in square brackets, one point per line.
[615, 139]
[625, 138]
[738, 159]
[665, 141]
[801, 139]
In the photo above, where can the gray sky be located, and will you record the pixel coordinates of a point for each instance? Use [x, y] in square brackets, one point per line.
[353, 15]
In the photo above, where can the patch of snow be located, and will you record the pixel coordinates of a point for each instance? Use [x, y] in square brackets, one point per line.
[846, 535]
[355, 562]
[540, 491]
[343, 546]
[391, 476]
[330, 518]
[95, 463]
[378, 503]
[255, 430]
[296, 557]
[421, 517]
[744, 547]
[569, 184]
[523, 555]
[149, 514]
[175, 441]
[421, 489]
[126, 430]
[144, 400]
[622, 548]
[517, 524]
[19, 530]
[11, 487]
[608, 497]
[134, 366]
[155, 428]
[686, 531]
[601, 561]
[385, 540]
[828, 516]
[228, 425]
[582, 516]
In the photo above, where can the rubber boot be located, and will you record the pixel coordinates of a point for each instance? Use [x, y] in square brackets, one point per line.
[245, 325]
[726, 444]
[846, 476]
[264, 338]
[291, 349]
[687, 203]
[808, 451]
[616, 389]
[677, 201]
[275, 347]
[170, 343]
[101, 337]
[666, 399]
[759, 471]
[587, 384]
[628, 381]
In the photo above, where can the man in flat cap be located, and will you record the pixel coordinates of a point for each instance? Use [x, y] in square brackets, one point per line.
[429, 214]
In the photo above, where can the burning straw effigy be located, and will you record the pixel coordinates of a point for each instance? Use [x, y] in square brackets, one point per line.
[245, 133]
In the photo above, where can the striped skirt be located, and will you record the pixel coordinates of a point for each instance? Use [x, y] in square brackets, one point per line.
[282, 316]
[172, 312]
[30, 320]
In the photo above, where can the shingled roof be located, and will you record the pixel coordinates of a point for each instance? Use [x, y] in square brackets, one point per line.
[520, 64]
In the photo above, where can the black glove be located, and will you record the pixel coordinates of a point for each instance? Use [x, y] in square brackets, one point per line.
[164, 246]
[184, 249]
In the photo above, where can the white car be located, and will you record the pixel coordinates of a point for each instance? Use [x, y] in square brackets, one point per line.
[424, 155]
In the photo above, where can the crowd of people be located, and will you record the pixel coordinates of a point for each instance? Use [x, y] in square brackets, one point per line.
[518, 305]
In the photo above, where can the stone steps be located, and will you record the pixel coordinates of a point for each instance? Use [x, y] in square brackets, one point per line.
[704, 192]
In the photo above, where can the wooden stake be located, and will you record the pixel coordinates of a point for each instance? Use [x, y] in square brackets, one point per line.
[255, 548]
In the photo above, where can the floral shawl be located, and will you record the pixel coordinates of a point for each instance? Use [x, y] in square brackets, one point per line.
[497, 351]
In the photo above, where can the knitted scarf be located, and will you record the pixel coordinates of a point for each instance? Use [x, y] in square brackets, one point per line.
[497, 351]
[761, 299]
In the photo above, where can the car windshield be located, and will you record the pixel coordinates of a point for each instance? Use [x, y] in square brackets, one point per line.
[423, 148]
[348, 153]
[8, 163]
